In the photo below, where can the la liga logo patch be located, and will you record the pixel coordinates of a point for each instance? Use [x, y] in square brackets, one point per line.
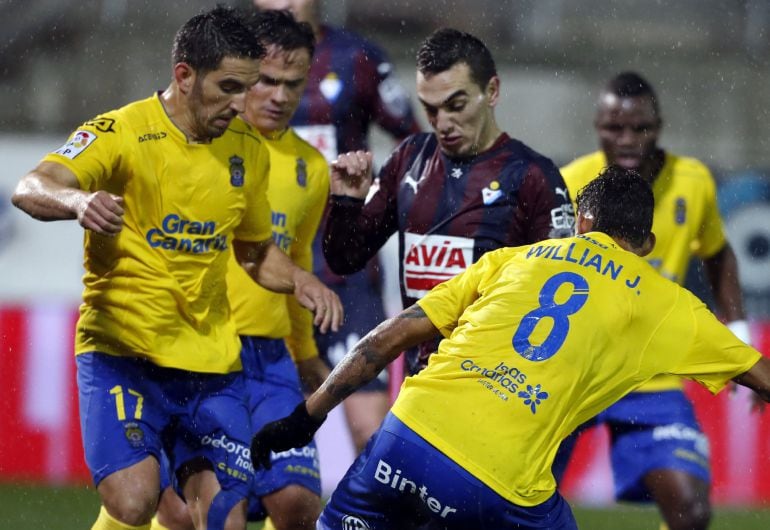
[77, 144]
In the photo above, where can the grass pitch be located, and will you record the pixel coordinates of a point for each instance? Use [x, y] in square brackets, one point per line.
[30, 507]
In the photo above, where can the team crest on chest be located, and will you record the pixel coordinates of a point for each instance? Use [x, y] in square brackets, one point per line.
[680, 212]
[330, 87]
[237, 171]
[301, 172]
[491, 193]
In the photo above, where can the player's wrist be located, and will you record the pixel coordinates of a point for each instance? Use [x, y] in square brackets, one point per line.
[346, 200]
[740, 329]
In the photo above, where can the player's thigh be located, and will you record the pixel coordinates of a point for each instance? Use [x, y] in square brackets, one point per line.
[364, 412]
[122, 412]
[293, 507]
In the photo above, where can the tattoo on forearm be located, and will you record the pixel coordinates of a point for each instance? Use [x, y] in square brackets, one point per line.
[363, 364]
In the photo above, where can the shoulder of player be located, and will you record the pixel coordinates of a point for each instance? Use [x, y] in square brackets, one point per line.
[582, 170]
[689, 168]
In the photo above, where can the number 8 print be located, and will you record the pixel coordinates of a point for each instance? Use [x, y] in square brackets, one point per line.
[549, 308]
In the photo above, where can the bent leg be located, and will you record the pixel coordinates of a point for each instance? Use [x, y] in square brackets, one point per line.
[683, 499]
[364, 412]
[130, 495]
[293, 508]
[211, 507]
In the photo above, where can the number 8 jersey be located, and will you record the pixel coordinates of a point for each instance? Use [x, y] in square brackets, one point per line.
[539, 339]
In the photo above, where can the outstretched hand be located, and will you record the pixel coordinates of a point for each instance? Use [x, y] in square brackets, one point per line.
[295, 430]
[322, 301]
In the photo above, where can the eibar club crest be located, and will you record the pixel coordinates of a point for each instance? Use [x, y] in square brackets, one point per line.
[301, 172]
[237, 171]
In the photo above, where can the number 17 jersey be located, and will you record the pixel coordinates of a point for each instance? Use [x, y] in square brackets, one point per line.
[540, 338]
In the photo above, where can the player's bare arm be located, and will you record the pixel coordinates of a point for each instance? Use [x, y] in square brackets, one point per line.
[757, 378]
[362, 364]
[351, 174]
[51, 192]
[369, 356]
[722, 272]
[313, 372]
[272, 269]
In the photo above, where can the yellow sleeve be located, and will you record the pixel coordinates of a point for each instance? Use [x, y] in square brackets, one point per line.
[300, 342]
[715, 356]
[711, 236]
[256, 224]
[445, 303]
[92, 154]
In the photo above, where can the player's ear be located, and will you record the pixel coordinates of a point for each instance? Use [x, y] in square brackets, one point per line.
[648, 245]
[584, 223]
[493, 90]
[184, 76]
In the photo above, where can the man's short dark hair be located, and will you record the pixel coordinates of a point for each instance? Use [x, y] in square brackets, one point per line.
[446, 47]
[632, 85]
[207, 38]
[281, 29]
[621, 203]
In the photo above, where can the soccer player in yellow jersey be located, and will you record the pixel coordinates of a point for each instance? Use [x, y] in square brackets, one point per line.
[166, 188]
[298, 188]
[658, 450]
[537, 340]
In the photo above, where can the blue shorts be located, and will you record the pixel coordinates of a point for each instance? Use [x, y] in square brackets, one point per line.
[654, 430]
[401, 481]
[131, 408]
[273, 388]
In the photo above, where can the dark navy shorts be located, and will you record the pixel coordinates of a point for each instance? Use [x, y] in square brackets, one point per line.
[401, 481]
[363, 312]
[273, 388]
[131, 408]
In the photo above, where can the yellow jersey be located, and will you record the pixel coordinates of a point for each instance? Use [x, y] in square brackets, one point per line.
[157, 290]
[541, 338]
[686, 221]
[297, 191]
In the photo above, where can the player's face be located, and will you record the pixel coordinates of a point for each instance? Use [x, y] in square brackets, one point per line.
[628, 129]
[460, 112]
[271, 102]
[219, 96]
[303, 10]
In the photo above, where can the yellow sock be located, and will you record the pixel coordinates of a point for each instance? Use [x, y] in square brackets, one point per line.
[107, 522]
[268, 525]
[663, 526]
[155, 525]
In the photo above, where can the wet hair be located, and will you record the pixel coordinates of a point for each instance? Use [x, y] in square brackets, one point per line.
[281, 29]
[446, 47]
[620, 202]
[632, 85]
[207, 38]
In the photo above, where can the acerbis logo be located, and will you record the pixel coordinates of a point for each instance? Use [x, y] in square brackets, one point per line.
[351, 522]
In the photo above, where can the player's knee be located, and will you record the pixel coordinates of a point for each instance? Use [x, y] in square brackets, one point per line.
[173, 513]
[133, 510]
[692, 514]
[293, 508]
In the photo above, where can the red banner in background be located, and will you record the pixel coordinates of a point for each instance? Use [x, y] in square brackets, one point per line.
[40, 431]
[39, 426]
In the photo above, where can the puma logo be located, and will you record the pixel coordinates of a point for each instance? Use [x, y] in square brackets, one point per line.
[562, 192]
[409, 180]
